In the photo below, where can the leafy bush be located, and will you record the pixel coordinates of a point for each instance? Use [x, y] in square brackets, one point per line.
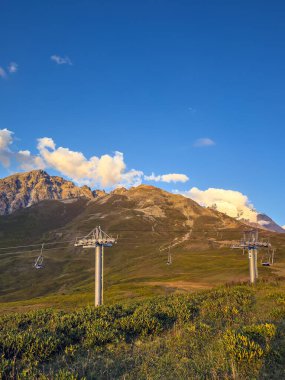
[183, 336]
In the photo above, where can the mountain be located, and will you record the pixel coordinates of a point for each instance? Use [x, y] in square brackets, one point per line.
[266, 222]
[25, 189]
[150, 224]
[249, 216]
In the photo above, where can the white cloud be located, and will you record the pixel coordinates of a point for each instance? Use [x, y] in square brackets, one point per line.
[27, 161]
[263, 222]
[173, 177]
[45, 142]
[13, 67]
[105, 171]
[131, 178]
[6, 139]
[205, 141]
[3, 73]
[230, 202]
[61, 60]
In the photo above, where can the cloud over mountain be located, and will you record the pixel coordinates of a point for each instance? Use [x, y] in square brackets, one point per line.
[230, 202]
[105, 171]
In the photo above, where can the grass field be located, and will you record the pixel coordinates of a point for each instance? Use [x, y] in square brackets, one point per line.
[134, 274]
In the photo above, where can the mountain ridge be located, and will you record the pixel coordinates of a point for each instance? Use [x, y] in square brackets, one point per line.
[21, 190]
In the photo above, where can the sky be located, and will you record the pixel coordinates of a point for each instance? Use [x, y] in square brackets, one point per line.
[187, 95]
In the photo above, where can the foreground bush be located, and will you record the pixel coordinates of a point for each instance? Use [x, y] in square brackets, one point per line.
[208, 335]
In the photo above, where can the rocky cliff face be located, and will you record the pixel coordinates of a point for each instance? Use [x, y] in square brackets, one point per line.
[25, 189]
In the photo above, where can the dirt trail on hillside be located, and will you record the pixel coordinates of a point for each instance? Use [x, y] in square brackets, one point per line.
[184, 285]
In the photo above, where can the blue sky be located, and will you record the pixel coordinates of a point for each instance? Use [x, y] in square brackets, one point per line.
[148, 78]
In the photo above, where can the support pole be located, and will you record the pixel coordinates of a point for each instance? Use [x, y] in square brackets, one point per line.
[255, 263]
[251, 258]
[98, 275]
[102, 274]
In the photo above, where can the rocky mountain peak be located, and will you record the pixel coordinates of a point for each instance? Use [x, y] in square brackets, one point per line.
[25, 189]
[99, 193]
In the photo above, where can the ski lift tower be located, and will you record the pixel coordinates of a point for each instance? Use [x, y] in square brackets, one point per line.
[97, 239]
[251, 242]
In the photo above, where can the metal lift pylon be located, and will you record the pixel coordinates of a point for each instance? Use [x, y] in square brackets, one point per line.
[251, 242]
[97, 239]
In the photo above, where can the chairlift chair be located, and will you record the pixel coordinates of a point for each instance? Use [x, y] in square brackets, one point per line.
[268, 261]
[40, 259]
[169, 258]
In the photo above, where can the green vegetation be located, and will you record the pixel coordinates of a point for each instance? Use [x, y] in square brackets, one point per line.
[232, 332]
[168, 323]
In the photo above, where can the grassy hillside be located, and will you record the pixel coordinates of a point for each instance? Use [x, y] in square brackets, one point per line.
[147, 221]
[233, 332]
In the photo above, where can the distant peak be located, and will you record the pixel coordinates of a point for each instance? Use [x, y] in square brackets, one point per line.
[146, 187]
[119, 190]
[39, 172]
[98, 193]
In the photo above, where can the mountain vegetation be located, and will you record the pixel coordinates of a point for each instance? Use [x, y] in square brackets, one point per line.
[193, 319]
[232, 332]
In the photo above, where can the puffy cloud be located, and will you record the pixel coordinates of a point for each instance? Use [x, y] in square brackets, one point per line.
[283, 227]
[106, 171]
[6, 139]
[263, 223]
[131, 178]
[13, 67]
[45, 142]
[61, 60]
[174, 177]
[27, 161]
[3, 73]
[230, 202]
[203, 142]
